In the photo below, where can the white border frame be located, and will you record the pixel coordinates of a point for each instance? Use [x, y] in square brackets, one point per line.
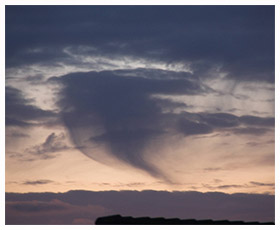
[3, 3]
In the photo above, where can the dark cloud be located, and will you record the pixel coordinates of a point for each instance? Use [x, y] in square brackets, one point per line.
[49, 208]
[37, 182]
[221, 120]
[238, 38]
[20, 111]
[259, 121]
[188, 127]
[53, 143]
[227, 120]
[121, 112]
[231, 186]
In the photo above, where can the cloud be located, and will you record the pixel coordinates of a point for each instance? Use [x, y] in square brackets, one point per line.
[53, 143]
[225, 186]
[50, 208]
[37, 182]
[188, 127]
[228, 186]
[262, 184]
[221, 120]
[120, 112]
[123, 112]
[239, 40]
[20, 111]
[259, 121]
[250, 131]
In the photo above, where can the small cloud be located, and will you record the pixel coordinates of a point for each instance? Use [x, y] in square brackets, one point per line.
[37, 182]
[53, 143]
[261, 184]
[231, 186]
[225, 186]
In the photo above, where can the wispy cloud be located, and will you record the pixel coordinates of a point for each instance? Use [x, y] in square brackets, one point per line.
[37, 182]
[21, 113]
[262, 184]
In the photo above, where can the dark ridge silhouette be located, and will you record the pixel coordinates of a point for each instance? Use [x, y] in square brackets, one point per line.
[128, 220]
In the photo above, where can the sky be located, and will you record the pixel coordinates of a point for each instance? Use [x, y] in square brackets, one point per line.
[157, 98]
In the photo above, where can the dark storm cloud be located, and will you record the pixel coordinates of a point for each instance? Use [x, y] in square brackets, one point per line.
[238, 38]
[108, 109]
[53, 143]
[120, 112]
[20, 111]
[63, 208]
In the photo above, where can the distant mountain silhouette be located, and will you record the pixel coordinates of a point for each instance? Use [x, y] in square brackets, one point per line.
[128, 220]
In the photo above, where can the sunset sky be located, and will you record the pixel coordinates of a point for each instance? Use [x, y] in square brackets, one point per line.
[172, 98]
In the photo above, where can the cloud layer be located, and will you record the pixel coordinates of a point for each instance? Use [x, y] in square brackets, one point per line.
[238, 39]
[83, 207]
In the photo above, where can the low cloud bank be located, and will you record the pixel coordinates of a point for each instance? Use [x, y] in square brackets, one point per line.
[83, 207]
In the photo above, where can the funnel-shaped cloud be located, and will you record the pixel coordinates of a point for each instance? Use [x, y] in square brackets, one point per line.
[121, 113]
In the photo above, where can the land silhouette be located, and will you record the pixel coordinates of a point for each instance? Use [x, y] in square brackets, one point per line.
[128, 220]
